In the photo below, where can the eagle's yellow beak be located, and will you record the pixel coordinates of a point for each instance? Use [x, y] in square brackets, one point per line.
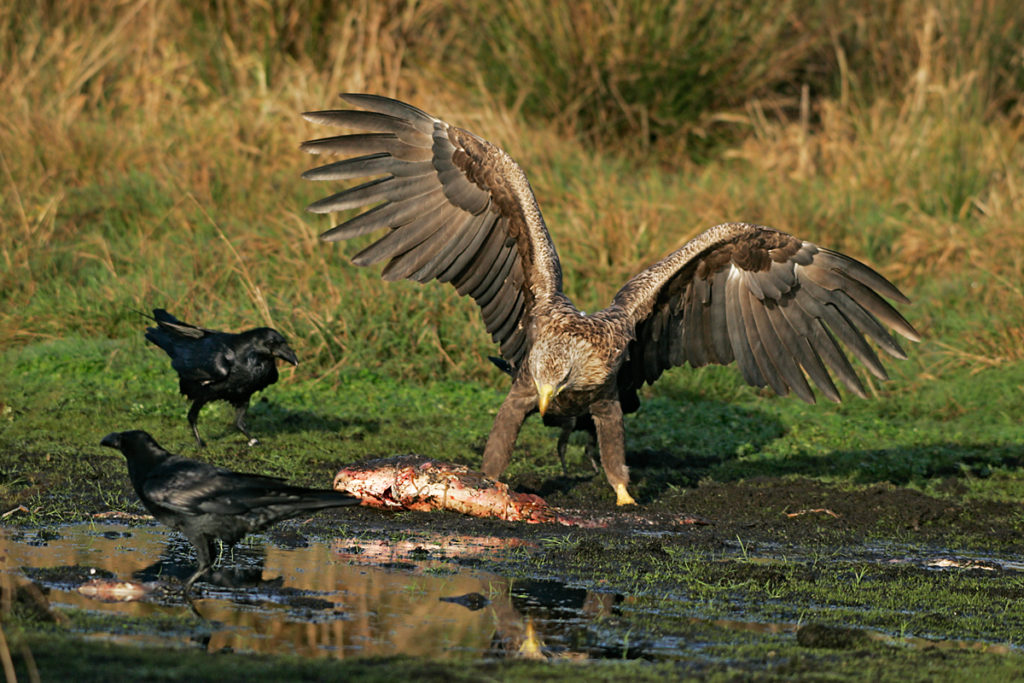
[544, 395]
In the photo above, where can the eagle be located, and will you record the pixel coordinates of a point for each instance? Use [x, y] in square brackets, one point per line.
[458, 209]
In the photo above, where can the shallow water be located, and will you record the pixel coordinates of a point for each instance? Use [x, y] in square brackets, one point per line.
[343, 598]
[358, 596]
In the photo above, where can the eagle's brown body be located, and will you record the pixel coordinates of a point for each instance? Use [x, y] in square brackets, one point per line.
[460, 210]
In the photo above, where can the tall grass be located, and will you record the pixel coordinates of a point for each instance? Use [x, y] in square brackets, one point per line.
[148, 156]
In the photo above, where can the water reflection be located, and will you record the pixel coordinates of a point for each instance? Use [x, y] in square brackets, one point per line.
[350, 597]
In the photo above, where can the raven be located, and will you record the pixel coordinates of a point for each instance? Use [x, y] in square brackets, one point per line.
[205, 502]
[219, 366]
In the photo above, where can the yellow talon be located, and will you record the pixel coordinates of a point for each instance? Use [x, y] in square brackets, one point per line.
[622, 496]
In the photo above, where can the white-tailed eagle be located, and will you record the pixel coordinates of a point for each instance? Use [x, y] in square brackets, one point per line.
[458, 209]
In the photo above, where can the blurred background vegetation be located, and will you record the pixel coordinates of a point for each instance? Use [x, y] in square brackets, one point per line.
[149, 157]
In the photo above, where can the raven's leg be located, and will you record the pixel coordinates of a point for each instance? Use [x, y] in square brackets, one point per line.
[204, 553]
[193, 417]
[240, 411]
[611, 439]
[521, 399]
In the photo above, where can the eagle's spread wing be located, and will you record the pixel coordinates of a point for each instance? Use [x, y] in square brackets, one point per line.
[456, 207]
[774, 303]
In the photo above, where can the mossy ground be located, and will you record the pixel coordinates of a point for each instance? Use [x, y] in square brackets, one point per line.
[817, 517]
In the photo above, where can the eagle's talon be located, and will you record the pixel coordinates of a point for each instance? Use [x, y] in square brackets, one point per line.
[622, 496]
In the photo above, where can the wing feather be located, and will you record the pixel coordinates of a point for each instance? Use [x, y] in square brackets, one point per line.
[466, 229]
[415, 229]
[759, 346]
[405, 131]
[457, 208]
[420, 240]
[477, 231]
[392, 189]
[485, 296]
[368, 165]
[511, 318]
[739, 337]
[781, 354]
[777, 305]
[803, 352]
[718, 324]
[479, 268]
[810, 327]
[400, 110]
[368, 143]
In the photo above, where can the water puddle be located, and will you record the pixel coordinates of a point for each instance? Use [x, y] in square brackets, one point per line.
[414, 595]
[344, 598]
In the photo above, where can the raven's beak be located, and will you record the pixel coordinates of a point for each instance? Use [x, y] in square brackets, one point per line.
[544, 395]
[112, 440]
[285, 353]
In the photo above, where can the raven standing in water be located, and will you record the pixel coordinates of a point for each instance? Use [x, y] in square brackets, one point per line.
[208, 503]
[219, 366]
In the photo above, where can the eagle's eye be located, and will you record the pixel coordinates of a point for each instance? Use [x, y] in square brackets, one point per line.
[563, 384]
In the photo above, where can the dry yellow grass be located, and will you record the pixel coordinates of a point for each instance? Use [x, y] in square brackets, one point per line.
[148, 157]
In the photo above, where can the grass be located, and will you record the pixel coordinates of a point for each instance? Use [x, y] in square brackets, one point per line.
[150, 113]
[695, 426]
[148, 158]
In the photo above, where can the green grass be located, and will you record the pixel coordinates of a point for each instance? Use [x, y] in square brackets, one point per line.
[62, 397]
[698, 430]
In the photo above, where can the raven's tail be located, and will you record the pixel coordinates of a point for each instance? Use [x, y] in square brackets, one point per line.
[502, 365]
[316, 499]
[170, 331]
[291, 501]
[162, 338]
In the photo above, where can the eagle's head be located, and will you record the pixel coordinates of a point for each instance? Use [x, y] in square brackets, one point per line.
[560, 363]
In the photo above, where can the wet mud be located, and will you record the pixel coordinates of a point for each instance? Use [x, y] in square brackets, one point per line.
[774, 564]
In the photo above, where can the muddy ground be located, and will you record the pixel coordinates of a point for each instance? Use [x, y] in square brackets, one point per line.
[875, 539]
[777, 577]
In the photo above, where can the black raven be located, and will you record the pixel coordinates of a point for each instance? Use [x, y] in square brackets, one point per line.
[219, 366]
[205, 502]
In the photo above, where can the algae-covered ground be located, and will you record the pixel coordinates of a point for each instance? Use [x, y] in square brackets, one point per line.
[870, 539]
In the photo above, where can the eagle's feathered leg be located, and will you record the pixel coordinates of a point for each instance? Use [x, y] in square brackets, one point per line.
[611, 441]
[521, 399]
